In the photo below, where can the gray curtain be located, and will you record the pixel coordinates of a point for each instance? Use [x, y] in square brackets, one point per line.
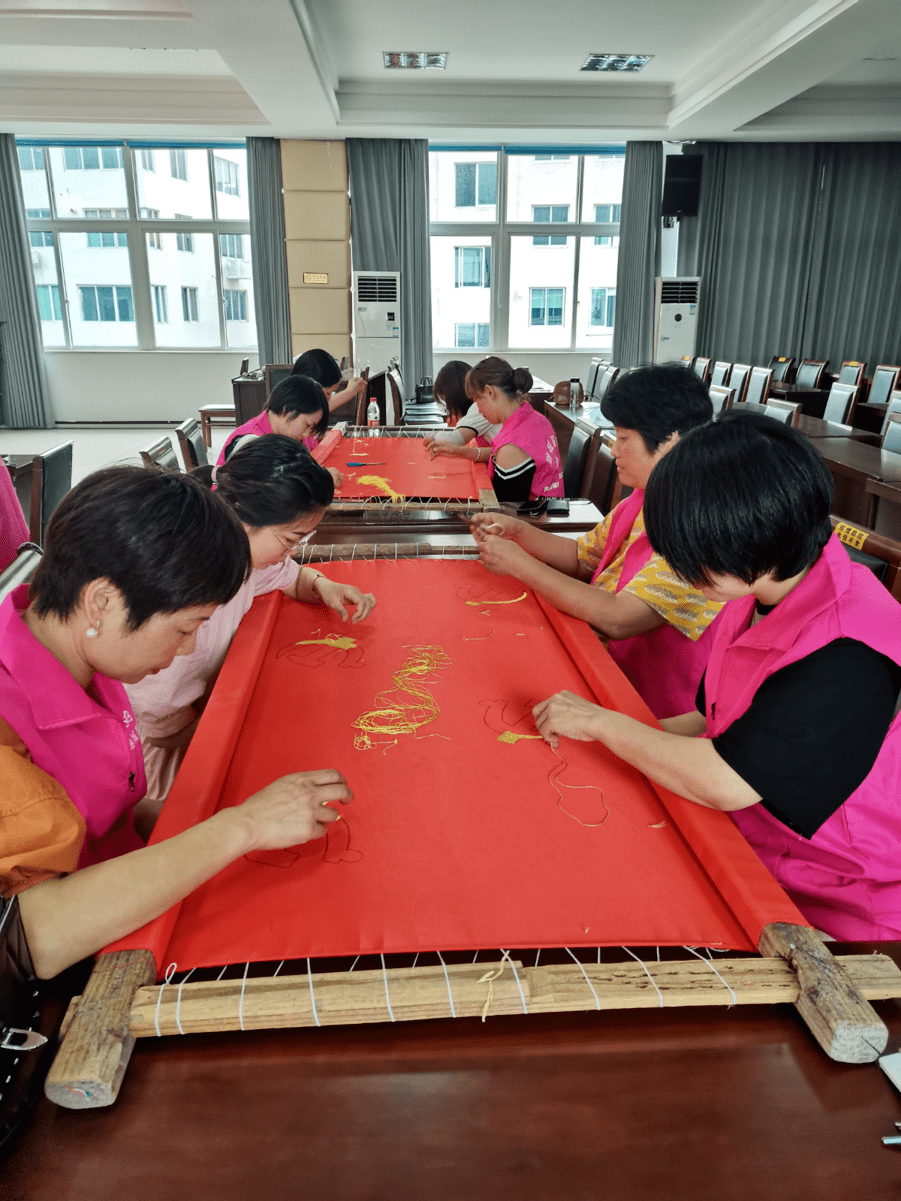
[23, 372]
[798, 246]
[639, 254]
[267, 240]
[389, 231]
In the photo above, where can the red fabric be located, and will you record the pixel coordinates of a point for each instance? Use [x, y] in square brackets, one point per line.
[404, 464]
[455, 841]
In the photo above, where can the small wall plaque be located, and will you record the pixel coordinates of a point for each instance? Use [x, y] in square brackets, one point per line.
[315, 277]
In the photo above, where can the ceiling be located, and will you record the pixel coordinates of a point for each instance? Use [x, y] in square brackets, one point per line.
[766, 70]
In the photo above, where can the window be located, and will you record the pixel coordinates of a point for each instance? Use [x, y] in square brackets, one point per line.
[235, 305]
[92, 158]
[106, 304]
[476, 184]
[31, 158]
[189, 304]
[226, 175]
[472, 267]
[527, 267]
[603, 306]
[154, 238]
[469, 335]
[109, 229]
[549, 213]
[107, 239]
[184, 241]
[607, 214]
[48, 302]
[178, 164]
[546, 306]
[160, 304]
[232, 245]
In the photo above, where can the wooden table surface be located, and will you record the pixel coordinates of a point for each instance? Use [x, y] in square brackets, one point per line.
[852, 463]
[815, 427]
[700, 1104]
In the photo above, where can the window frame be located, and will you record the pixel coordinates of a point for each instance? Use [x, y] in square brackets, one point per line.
[137, 229]
[500, 233]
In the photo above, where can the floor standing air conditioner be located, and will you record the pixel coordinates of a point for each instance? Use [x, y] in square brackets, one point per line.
[675, 317]
[376, 319]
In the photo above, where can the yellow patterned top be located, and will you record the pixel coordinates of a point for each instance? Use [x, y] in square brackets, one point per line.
[676, 602]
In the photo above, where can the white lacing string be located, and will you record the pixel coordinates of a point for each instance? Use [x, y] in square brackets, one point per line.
[416, 959]
[387, 996]
[354, 964]
[241, 1001]
[222, 973]
[178, 1000]
[646, 972]
[450, 995]
[522, 995]
[167, 979]
[597, 999]
[278, 969]
[709, 963]
[312, 997]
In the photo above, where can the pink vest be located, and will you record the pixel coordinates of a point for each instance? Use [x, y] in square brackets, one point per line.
[258, 425]
[847, 878]
[13, 529]
[664, 665]
[88, 743]
[534, 435]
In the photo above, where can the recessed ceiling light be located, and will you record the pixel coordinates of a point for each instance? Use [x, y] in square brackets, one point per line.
[615, 62]
[422, 60]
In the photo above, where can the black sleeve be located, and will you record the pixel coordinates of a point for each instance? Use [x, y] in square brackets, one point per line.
[514, 483]
[813, 731]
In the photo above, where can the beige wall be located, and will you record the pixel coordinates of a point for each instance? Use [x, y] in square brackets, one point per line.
[317, 231]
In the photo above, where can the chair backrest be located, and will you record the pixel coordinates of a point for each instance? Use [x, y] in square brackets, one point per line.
[838, 405]
[780, 367]
[701, 369]
[885, 381]
[576, 458]
[851, 372]
[738, 380]
[784, 410]
[688, 360]
[245, 366]
[273, 374]
[599, 480]
[810, 373]
[604, 383]
[758, 388]
[22, 568]
[376, 389]
[161, 454]
[562, 424]
[721, 398]
[51, 479]
[891, 435]
[862, 544]
[395, 384]
[894, 406]
[720, 374]
[595, 371]
[190, 443]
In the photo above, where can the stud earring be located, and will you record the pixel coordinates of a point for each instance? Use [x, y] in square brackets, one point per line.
[93, 630]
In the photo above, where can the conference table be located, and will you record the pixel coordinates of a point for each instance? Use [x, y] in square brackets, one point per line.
[853, 463]
[816, 427]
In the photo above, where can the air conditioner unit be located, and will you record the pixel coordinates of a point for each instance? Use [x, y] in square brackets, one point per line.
[376, 319]
[675, 317]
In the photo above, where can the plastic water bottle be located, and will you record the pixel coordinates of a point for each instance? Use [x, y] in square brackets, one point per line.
[573, 395]
[372, 414]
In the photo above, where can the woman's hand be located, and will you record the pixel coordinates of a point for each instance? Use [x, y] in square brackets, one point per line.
[568, 715]
[481, 525]
[450, 450]
[502, 557]
[336, 476]
[292, 810]
[338, 596]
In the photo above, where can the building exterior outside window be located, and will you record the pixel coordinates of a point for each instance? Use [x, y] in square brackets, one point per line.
[114, 235]
[525, 250]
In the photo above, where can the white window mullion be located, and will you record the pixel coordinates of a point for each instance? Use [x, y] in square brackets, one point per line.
[137, 256]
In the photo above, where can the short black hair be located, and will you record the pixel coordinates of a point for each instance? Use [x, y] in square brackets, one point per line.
[318, 365]
[658, 401]
[274, 480]
[299, 394]
[741, 496]
[165, 542]
[450, 387]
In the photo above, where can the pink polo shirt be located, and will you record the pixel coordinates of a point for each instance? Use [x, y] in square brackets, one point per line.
[86, 741]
